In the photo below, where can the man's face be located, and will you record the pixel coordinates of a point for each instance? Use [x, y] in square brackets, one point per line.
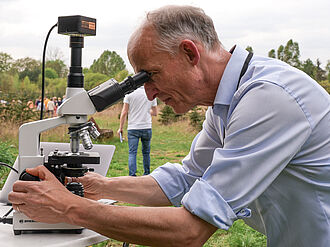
[172, 76]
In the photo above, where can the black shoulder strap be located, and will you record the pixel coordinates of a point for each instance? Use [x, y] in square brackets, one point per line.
[244, 68]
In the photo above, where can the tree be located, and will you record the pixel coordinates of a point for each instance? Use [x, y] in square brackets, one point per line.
[30, 89]
[121, 75]
[85, 71]
[327, 68]
[109, 63]
[280, 53]
[272, 53]
[50, 73]
[27, 67]
[5, 62]
[291, 54]
[94, 79]
[59, 66]
[54, 53]
[249, 48]
[319, 73]
[308, 67]
[6, 82]
[56, 87]
[167, 115]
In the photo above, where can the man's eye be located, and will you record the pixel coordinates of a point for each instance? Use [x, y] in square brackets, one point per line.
[153, 74]
[150, 80]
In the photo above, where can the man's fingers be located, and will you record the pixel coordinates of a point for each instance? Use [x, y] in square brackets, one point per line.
[20, 186]
[19, 207]
[20, 190]
[16, 197]
[72, 179]
[40, 171]
[37, 171]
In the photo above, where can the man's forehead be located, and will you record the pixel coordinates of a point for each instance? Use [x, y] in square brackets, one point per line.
[142, 47]
[143, 38]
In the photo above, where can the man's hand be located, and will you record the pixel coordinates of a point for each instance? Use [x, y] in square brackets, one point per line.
[45, 201]
[122, 120]
[120, 134]
[94, 185]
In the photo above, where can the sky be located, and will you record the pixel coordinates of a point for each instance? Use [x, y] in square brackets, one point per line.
[261, 24]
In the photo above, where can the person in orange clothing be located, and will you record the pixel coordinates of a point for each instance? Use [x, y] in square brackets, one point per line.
[46, 100]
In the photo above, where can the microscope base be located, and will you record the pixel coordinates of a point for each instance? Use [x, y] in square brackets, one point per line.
[22, 223]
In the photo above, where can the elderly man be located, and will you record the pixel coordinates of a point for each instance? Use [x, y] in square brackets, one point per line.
[262, 156]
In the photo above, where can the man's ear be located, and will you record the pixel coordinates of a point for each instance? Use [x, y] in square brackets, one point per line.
[191, 51]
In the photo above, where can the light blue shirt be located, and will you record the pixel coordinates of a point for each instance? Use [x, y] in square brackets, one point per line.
[272, 168]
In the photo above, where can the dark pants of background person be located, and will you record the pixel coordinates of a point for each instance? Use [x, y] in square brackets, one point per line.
[133, 137]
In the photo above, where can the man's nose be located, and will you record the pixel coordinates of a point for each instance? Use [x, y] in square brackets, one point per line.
[150, 90]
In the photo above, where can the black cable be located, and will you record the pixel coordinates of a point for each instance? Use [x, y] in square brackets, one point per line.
[43, 73]
[8, 213]
[6, 220]
[9, 166]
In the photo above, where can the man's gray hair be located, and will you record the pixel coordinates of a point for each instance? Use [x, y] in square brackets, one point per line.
[176, 23]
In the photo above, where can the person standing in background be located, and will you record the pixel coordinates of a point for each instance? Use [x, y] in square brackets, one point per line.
[46, 100]
[59, 101]
[36, 103]
[39, 102]
[139, 110]
[56, 106]
[30, 104]
[51, 108]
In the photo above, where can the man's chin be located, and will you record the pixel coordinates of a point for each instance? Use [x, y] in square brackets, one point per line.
[179, 109]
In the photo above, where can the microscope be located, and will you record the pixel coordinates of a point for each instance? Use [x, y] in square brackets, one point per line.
[74, 112]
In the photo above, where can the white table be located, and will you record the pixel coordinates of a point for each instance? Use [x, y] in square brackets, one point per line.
[8, 239]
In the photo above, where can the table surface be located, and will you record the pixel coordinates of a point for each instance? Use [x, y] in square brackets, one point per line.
[7, 237]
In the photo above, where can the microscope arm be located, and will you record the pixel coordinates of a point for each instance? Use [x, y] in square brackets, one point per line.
[29, 132]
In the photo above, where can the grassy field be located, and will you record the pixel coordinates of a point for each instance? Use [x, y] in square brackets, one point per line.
[169, 144]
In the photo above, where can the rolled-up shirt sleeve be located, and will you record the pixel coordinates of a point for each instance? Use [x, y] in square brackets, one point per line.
[265, 128]
[176, 179]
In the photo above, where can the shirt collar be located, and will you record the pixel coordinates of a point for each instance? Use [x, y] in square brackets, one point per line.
[229, 80]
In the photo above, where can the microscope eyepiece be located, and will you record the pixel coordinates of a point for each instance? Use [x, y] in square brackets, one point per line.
[111, 91]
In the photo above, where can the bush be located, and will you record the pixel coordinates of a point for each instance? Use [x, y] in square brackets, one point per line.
[16, 111]
[197, 117]
[50, 73]
[325, 85]
[167, 115]
[8, 154]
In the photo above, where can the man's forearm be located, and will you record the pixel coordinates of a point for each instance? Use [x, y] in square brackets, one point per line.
[136, 190]
[153, 111]
[122, 121]
[123, 116]
[159, 226]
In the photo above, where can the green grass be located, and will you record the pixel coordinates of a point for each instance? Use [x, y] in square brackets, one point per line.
[8, 153]
[169, 144]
